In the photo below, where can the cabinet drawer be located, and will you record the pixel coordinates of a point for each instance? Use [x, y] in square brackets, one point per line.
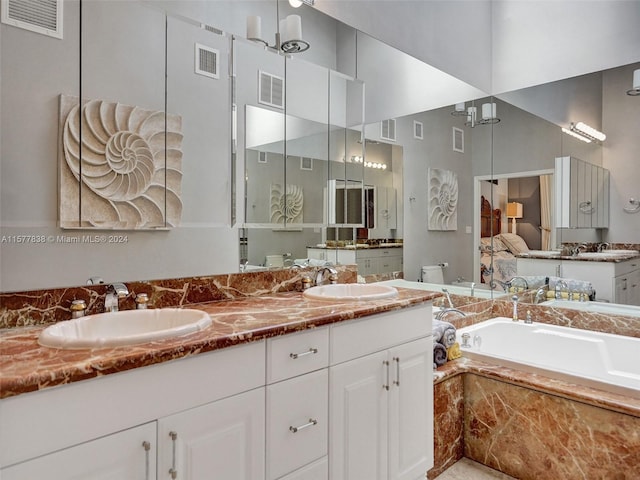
[318, 470]
[297, 425]
[357, 338]
[627, 266]
[297, 353]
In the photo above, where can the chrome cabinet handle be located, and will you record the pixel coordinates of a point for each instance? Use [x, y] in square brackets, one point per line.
[172, 471]
[397, 380]
[386, 364]
[310, 423]
[311, 351]
[147, 446]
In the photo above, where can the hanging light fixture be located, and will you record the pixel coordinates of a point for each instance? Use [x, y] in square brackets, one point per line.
[635, 91]
[289, 34]
[488, 114]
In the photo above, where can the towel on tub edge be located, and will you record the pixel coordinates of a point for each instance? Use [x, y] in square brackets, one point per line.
[444, 332]
[439, 354]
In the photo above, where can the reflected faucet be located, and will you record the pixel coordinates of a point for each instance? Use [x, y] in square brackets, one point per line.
[446, 292]
[540, 296]
[560, 286]
[320, 275]
[603, 246]
[514, 280]
[115, 291]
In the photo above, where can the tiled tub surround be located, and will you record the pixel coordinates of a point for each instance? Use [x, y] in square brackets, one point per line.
[531, 426]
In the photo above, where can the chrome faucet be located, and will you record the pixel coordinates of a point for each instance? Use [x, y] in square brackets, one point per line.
[540, 296]
[560, 286]
[115, 291]
[447, 311]
[320, 275]
[446, 292]
[513, 281]
[578, 249]
[603, 246]
[473, 286]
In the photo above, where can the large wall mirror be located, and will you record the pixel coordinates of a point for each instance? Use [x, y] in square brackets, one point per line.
[284, 174]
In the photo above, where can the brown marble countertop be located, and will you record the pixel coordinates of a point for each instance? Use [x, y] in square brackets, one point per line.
[615, 258]
[26, 366]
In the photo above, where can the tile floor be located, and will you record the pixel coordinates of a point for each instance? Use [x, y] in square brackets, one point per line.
[466, 469]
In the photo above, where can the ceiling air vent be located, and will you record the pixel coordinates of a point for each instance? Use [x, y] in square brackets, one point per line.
[207, 61]
[388, 130]
[418, 130]
[40, 16]
[271, 90]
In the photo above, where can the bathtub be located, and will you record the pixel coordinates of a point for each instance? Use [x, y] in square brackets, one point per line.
[599, 360]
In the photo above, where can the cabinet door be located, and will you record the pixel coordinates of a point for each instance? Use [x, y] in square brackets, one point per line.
[634, 288]
[127, 455]
[358, 403]
[411, 410]
[223, 439]
[536, 267]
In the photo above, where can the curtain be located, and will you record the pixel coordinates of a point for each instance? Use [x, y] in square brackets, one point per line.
[546, 184]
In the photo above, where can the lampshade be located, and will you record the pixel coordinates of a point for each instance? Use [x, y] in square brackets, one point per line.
[514, 210]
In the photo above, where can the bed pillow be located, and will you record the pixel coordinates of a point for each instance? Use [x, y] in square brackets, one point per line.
[498, 245]
[515, 243]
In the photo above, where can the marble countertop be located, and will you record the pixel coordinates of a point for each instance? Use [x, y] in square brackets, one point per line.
[615, 258]
[359, 246]
[26, 366]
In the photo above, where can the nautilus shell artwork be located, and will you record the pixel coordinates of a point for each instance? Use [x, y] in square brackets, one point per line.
[286, 203]
[443, 199]
[118, 168]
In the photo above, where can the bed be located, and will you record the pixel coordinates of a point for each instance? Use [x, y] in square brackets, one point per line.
[497, 250]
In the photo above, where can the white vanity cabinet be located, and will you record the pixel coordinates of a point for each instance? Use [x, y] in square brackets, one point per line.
[616, 282]
[355, 397]
[214, 401]
[539, 267]
[381, 397]
[126, 455]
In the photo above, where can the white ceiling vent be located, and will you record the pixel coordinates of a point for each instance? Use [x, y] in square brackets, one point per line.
[388, 130]
[271, 90]
[40, 16]
[207, 61]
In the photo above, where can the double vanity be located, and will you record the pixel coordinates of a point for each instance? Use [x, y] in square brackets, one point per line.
[614, 274]
[275, 386]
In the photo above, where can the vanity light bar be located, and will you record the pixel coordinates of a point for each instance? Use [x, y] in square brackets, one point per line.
[359, 159]
[585, 131]
[576, 135]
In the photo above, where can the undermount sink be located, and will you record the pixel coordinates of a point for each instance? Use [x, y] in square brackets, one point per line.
[126, 327]
[351, 292]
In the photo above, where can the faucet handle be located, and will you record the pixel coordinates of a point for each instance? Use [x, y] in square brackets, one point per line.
[78, 308]
[142, 299]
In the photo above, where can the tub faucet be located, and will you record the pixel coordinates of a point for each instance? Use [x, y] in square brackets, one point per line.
[446, 292]
[540, 296]
[473, 286]
[115, 291]
[320, 276]
[560, 286]
[447, 311]
[514, 280]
